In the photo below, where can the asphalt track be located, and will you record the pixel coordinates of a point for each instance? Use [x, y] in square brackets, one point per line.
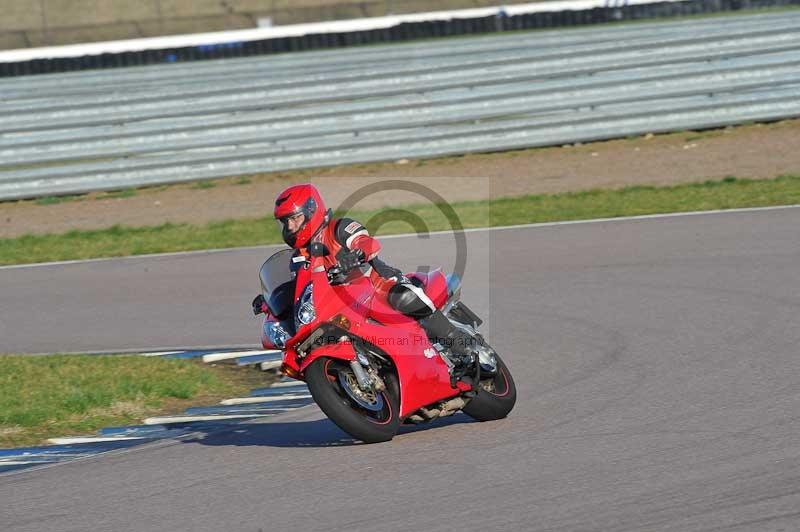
[656, 361]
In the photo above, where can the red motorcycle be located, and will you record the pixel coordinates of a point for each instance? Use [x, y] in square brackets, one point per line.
[369, 367]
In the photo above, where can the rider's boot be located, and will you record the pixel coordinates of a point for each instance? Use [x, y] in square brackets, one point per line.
[459, 346]
[454, 344]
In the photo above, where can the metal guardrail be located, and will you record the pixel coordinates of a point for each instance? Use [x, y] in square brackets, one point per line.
[78, 132]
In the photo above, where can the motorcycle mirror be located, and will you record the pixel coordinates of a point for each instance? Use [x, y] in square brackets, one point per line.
[318, 249]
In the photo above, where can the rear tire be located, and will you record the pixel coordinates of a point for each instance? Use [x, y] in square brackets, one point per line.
[369, 426]
[496, 396]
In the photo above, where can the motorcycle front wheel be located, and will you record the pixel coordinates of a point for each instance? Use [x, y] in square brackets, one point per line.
[496, 395]
[371, 416]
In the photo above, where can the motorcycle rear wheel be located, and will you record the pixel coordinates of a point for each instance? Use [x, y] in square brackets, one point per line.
[496, 397]
[325, 377]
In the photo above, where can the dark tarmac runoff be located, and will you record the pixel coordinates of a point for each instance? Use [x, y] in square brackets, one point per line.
[657, 363]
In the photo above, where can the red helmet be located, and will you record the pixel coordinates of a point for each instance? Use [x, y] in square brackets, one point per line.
[300, 199]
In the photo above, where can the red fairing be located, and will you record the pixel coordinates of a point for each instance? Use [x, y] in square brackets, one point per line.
[424, 378]
[291, 365]
[370, 246]
[423, 375]
[435, 285]
[341, 350]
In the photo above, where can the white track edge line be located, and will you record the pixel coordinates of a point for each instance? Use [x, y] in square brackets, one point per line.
[217, 357]
[79, 440]
[191, 419]
[22, 462]
[268, 399]
[406, 235]
[286, 384]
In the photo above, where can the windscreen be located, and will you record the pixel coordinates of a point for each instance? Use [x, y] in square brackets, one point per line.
[277, 283]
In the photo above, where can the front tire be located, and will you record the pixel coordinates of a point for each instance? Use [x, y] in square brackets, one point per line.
[370, 421]
[496, 396]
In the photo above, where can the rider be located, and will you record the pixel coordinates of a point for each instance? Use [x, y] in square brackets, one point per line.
[303, 219]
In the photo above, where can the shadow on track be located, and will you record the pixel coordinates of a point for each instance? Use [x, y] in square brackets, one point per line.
[318, 433]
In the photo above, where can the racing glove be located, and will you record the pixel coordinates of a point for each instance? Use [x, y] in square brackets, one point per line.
[350, 259]
[259, 305]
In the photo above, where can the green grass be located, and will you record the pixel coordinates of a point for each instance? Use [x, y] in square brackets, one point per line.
[56, 395]
[52, 200]
[121, 241]
[124, 193]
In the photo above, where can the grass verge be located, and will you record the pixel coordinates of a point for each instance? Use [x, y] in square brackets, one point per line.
[119, 241]
[58, 395]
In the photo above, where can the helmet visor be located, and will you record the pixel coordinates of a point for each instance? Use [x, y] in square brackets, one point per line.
[292, 223]
[295, 220]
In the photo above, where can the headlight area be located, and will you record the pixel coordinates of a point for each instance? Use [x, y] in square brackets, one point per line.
[305, 312]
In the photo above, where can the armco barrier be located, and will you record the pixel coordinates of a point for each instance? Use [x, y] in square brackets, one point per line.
[100, 130]
[503, 20]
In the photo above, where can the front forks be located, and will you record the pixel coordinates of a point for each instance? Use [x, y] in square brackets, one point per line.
[366, 375]
[364, 380]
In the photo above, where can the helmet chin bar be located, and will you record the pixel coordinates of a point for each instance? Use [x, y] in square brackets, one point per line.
[290, 238]
[308, 210]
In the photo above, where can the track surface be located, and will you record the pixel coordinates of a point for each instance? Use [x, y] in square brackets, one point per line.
[656, 361]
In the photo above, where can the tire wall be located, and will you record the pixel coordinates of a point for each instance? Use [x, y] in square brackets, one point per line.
[400, 33]
[25, 24]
